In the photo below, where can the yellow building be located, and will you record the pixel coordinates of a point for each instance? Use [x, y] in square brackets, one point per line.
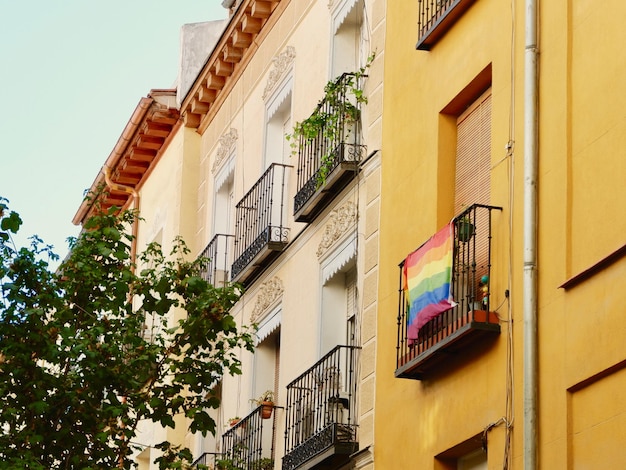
[511, 133]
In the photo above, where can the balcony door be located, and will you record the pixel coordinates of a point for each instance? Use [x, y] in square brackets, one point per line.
[224, 219]
[339, 304]
[278, 125]
[224, 202]
[473, 186]
[266, 373]
[350, 44]
[473, 155]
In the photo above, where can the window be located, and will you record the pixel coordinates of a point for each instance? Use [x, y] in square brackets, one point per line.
[267, 369]
[219, 250]
[224, 202]
[473, 155]
[476, 460]
[469, 455]
[278, 124]
[210, 442]
[472, 184]
[267, 355]
[339, 298]
[350, 44]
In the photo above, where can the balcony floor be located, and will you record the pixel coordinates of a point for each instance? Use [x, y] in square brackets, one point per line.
[479, 329]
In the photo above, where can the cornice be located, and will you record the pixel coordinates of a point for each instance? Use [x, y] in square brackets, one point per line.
[146, 135]
[227, 59]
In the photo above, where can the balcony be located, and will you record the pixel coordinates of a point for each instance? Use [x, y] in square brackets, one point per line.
[248, 445]
[321, 430]
[328, 160]
[260, 224]
[455, 331]
[436, 17]
[216, 270]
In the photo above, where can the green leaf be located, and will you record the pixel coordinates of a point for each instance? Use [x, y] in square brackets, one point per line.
[11, 223]
[75, 344]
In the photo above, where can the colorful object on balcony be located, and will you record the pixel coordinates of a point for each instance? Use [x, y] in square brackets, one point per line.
[427, 275]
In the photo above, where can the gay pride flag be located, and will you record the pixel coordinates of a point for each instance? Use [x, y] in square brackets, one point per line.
[427, 275]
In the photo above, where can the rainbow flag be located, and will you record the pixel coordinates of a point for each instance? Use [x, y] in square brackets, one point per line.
[427, 275]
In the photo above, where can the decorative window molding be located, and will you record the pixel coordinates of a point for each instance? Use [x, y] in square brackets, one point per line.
[225, 173]
[339, 10]
[340, 221]
[279, 97]
[270, 324]
[340, 258]
[268, 295]
[226, 143]
[282, 62]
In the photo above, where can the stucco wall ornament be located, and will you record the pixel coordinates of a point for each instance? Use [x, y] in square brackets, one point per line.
[269, 293]
[281, 63]
[341, 220]
[226, 142]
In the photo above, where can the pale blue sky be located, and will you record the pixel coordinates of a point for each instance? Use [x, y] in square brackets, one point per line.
[71, 74]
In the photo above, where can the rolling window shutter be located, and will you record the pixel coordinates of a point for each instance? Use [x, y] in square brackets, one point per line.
[473, 158]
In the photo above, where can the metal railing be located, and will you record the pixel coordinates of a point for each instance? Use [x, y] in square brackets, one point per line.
[216, 269]
[429, 11]
[320, 155]
[471, 276]
[260, 217]
[435, 17]
[321, 407]
[249, 444]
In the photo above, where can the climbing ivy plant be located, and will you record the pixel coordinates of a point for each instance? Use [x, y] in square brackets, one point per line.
[338, 110]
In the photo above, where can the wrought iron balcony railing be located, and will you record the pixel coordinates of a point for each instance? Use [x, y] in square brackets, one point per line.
[435, 17]
[261, 231]
[249, 444]
[217, 253]
[471, 320]
[328, 160]
[321, 429]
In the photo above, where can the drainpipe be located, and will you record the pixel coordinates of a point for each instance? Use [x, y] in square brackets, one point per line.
[132, 191]
[531, 158]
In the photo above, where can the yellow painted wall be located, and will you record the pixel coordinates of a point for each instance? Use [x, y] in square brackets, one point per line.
[581, 335]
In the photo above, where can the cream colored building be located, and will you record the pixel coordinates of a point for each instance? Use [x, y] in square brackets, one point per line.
[305, 246]
[306, 251]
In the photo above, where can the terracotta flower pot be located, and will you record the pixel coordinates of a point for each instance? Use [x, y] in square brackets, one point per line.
[266, 411]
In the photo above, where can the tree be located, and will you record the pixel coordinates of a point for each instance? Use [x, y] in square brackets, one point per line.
[90, 350]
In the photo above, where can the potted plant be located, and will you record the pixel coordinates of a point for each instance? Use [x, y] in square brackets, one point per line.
[266, 400]
[233, 421]
[464, 229]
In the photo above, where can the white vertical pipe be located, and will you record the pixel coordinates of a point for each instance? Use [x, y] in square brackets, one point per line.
[530, 236]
